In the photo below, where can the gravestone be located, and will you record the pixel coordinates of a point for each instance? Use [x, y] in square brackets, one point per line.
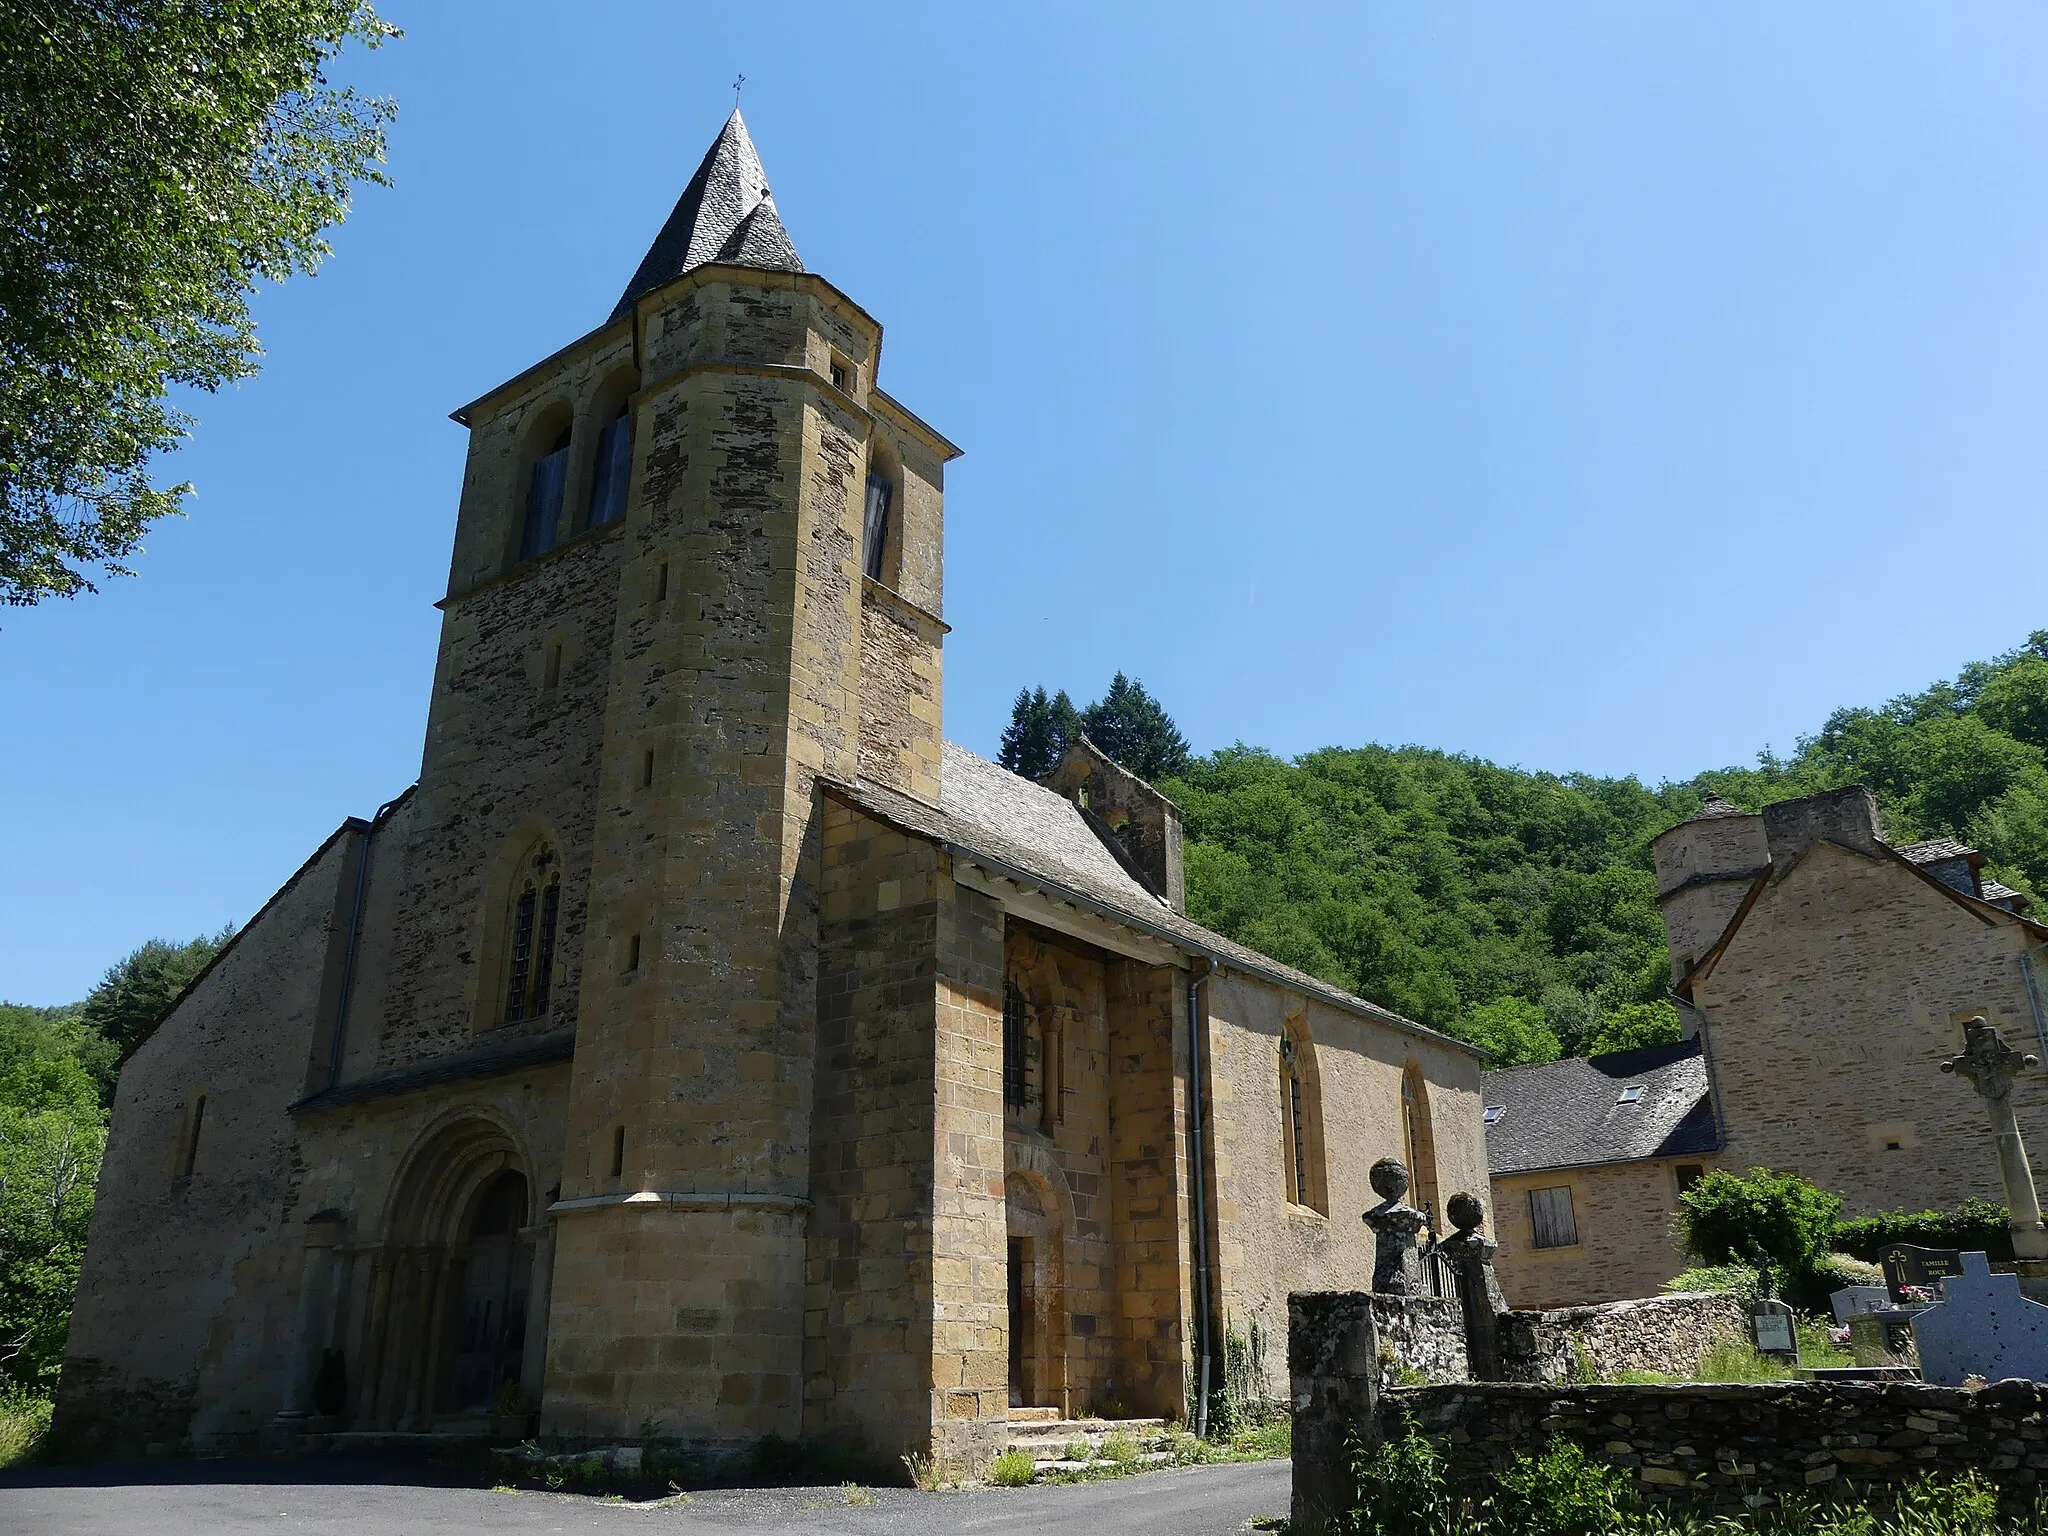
[1396, 1264]
[1851, 1300]
[1771, 1329]
[1982, 1326]
[1908, 1269]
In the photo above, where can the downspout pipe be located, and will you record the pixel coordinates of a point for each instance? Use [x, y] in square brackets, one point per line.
[1198, 1197]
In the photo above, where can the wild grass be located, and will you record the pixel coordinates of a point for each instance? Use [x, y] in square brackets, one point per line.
[24, 1423]
[1012, 1469]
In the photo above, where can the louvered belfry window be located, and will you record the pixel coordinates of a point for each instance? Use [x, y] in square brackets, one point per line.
[614, 467]
[1015, 1019]
[1300, 1126]
[522, 955]
[875, 538]
[1550, 1214]
[544, 500]
[544, 958]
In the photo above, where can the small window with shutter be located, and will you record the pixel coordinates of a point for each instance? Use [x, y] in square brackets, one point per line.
[1550, 1213]
[875, 536]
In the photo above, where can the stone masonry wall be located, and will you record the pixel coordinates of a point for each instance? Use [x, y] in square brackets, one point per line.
[1667, 1334]
[899, 693]
[868, 1335]
[185, 1299]
[1746, 1447]
[1828, 1018]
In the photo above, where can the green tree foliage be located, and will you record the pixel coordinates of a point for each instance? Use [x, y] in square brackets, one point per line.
[1633, 1026]
[1134, 729]
[1040, 729]
[1726, 1217]
[1513, 1029]
[161, 157]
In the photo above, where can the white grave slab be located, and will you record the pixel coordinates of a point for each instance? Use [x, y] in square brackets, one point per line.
[1852, 1299]
[1982, 1326]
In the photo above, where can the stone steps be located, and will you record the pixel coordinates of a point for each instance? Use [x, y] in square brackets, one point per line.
[1049, 1439]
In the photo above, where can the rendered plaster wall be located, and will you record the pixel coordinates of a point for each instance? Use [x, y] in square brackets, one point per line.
[186, 1293]
[1626, 1247]
[1829, 1016]
[1266, 1246]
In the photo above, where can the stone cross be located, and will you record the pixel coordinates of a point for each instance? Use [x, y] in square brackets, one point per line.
[1991, 1065]
[1396, 1266]
[1471, 1253]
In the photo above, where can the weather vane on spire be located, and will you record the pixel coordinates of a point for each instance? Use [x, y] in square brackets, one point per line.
[737, 83]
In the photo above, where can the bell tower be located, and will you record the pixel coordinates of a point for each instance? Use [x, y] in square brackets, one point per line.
[771, 617]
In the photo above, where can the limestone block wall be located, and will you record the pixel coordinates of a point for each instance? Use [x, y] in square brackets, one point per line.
[1267, 1246]
[900, 693]
[869, 1272]
[1627, 1244]
[186, 1295]
[1827, 1020]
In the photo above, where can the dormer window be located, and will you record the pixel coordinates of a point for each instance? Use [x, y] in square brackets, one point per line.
[614, 468]
[875, 535]
[1494, 1113]
[544, 499]
[1633, 1094]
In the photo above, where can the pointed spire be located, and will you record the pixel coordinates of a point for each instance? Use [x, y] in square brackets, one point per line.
[725, 214]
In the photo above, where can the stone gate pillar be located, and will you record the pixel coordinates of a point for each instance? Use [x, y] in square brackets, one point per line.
[1333, 1366]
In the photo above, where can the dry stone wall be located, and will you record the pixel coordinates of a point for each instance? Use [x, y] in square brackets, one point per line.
[1666, 1334]
[1745, 1447]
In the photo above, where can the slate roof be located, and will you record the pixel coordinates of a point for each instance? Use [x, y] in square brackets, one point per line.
[1935, 850]
[1714, 806]
[1567, 1114]
[1029, 832]
[726, 214]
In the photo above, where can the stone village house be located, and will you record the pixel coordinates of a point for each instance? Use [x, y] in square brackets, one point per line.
[1824, 976]
[704, 1047]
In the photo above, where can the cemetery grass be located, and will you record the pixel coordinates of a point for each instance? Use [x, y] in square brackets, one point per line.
[24, 1421]
[1733, 1361]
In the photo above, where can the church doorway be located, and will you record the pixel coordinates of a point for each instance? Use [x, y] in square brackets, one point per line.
[491, 1319]
[1038, 1353]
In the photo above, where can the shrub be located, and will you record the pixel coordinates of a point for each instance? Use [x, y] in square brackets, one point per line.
[1120, 1449]
[1012, 1469]
[1975, 1225]
[24, 1421]
[1726, 1217]
[1402, 1490]
[1561, 1492]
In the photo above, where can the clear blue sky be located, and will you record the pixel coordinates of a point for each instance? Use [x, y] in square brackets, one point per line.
[1609, 387]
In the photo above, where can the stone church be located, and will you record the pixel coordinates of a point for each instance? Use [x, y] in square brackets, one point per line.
[703, 1048]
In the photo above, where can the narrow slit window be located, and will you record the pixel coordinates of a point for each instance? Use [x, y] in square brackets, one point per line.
[633, 952]
[1015, 1021]
[544, 500]
[614, 468]
[1299, 1126]
[875, 538]
[1550, 1217]
[661, 582]
[544, 959]
[522, 954]
[551, 669]
[647, 769]
[191, 1159]
[618, 1151]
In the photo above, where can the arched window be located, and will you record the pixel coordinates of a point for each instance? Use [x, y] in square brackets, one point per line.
[1418, 1140]
[1301, 1115]
[613, 469]
[544, 486]
[530, 936]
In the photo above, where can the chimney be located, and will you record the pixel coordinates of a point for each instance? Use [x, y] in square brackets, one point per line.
[1845, 816]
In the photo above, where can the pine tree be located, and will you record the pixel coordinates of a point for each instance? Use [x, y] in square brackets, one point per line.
[1133, 729]
[1039, 731]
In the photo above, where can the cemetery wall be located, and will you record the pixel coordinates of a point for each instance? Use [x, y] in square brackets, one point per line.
[1745, 1446]
[1666, 1334]
[1422, 1335]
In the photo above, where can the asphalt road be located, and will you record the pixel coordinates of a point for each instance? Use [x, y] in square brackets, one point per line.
[202, 1498]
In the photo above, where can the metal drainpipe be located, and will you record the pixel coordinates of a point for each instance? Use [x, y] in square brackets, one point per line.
[355, 932]
[1204, 1323]
[2034, 996]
